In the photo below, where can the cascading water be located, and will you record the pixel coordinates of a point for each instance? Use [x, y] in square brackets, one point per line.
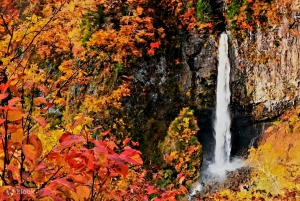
[222, 119]
[222, 123]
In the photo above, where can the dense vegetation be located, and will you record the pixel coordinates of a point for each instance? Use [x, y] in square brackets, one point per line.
[65, 68]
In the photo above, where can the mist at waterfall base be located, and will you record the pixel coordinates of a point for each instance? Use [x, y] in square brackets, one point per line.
[217, 169]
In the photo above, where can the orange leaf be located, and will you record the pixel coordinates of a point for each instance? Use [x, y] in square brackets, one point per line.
[14, 115]
[83, 192]
[39, 100]
[139, 10]
[29, 152]
[37, 143]
[43, 89]
[126, 141]
[17, 136]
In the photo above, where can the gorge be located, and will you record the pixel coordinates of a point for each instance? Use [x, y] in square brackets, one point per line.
[149, 100]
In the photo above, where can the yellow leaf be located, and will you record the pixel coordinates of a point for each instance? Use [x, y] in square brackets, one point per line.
[71, 6]
[5, 61]
[34, 18]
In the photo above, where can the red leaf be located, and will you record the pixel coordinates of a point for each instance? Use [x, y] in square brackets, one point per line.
[13, 101]
[191, 149]
[80, 178]
[78, 163]
[151, 190]
[107, 132]
[4, 86]
[121, 168]
[136, 144]
[67, 139]
[3, 96]
[40, 121]
[96, 128]
[151, 52]
[131, 156]
[154, 45]
[100, 149]
[2, 121]
[217, 196]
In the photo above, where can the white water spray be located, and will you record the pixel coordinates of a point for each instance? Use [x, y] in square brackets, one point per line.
[222, 122]
[222, 163]
[222, 119]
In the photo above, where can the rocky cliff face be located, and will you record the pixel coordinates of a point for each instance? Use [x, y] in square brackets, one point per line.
[266, 74]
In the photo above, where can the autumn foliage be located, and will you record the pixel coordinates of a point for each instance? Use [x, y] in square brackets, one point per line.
[60, 62]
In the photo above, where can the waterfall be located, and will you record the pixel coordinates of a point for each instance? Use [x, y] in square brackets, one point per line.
[217, 170]
[222, 119]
